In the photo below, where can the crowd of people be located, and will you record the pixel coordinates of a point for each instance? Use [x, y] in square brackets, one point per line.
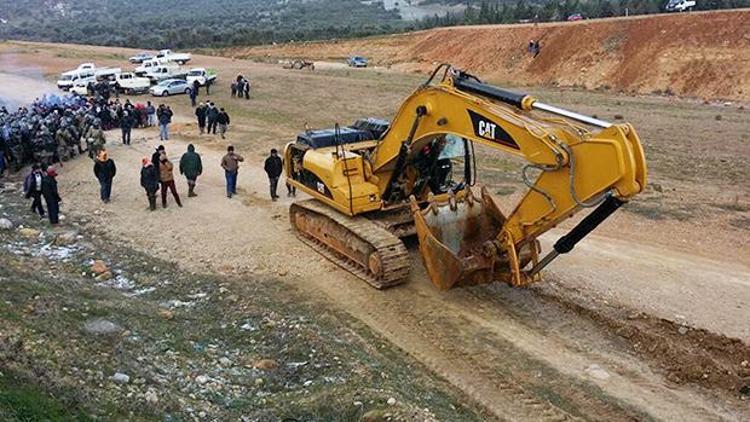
[54, 129]
[241, 88]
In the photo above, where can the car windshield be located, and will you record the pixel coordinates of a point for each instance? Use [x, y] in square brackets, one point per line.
[195, 73]
[164, 83]
[66, 77]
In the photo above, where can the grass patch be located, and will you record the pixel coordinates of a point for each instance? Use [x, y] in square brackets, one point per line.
[21, 400]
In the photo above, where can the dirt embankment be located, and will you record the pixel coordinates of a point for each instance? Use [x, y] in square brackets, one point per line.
[703, 55]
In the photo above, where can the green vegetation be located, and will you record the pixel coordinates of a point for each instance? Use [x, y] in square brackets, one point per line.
[180, 24]
[500, 11]
[23, 401]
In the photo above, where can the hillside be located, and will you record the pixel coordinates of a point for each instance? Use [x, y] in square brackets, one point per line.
[704, 55]
[191, 23]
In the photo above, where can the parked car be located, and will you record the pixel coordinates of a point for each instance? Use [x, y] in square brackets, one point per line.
[679, 5]
[170, 87]
[356, 61]
[70, 78]
[575, 17]
[201, 75]
[180, 58]
[140, 57]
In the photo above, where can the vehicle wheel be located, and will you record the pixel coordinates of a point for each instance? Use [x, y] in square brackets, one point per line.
[165, 93]
[187, 91]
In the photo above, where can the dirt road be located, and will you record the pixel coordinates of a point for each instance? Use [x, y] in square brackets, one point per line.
[521, 354]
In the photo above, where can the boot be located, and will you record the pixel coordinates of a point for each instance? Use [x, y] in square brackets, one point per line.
[191, 191]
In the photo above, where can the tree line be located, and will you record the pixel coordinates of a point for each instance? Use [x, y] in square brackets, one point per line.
[490, 12]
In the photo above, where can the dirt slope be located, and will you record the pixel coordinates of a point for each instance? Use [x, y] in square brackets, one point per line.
[698, 54]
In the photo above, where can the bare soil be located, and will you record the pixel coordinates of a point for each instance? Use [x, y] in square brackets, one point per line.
[647, 319]
[691, 54]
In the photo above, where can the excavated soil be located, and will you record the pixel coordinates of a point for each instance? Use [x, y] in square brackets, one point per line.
[704, 55]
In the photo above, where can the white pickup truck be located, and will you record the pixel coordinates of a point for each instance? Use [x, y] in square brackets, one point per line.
[680, 5]
[150, 64]
[165, 71]
[180, 58]
[201, 75]
[130, 84]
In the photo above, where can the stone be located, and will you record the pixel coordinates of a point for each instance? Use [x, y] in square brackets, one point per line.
[201, 379]
[28, 232]
[66, 238]
[391, 401]
[596, 371]
[151, 397]
[744, 363]
[682, 330]
[6, 224]
[166, 314]
[99, 267]
[259, 381]
[120, 378]
[265, 364]
[104, 276]
[224, 361]
[100, 326]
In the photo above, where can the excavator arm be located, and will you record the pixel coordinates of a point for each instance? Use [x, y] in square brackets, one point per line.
[578, 162]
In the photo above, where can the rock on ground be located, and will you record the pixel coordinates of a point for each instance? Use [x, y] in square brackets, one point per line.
[6, 224]
[101, 326]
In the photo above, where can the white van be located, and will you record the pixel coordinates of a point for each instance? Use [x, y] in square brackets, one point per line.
[69, 78]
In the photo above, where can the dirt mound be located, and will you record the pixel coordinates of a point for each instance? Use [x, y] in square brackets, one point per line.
[696, 54]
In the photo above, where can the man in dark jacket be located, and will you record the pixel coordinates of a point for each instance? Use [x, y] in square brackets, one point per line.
[222, 120]
[200, 113]
[32, 186]
[126, 124]
[273, 167]
[105, 170]
[194, 93]
[155, 159]
[165, 118]
[212, 113]
[192, 167]
[51, 196]
[150, 182]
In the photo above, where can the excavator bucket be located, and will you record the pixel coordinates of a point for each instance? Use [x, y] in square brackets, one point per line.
[460, 243]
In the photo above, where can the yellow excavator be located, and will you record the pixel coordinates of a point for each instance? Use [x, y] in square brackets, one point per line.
[374, 183]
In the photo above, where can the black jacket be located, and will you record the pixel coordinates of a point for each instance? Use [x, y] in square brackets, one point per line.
[155, 162]
[212, 113]
[222, 118]
[105, 170]
[273, 166]
[200, 112]
[150, 179]
[49, 189]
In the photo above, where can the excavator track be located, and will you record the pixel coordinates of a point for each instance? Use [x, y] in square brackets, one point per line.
[357, 244]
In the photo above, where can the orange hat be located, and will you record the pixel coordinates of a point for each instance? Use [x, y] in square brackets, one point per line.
[51, 172]
[145, 161]
[103, 155]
